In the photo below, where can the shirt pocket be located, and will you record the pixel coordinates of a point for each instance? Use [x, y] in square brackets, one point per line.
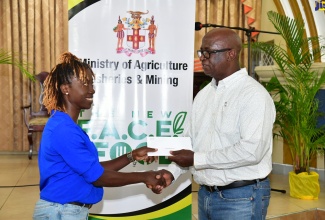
[228, 120]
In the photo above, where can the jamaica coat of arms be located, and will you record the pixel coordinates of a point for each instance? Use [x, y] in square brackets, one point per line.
[136, 34]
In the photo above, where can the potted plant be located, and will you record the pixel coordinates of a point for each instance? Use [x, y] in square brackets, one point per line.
[295, 99]
[7, 57]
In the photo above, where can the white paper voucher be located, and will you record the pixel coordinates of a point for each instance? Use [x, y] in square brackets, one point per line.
[167, 144]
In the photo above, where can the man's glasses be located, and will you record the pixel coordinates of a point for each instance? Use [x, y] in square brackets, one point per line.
[206, 54]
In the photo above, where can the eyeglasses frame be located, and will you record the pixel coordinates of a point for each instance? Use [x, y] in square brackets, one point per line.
[210, 52]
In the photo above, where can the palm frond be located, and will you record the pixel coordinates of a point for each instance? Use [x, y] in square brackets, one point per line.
[11, 59]
[295, 99]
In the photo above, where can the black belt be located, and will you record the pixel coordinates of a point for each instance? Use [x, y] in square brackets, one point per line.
[81, 204]
[232, 185]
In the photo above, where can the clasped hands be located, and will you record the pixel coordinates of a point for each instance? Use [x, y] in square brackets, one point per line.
[158, 180]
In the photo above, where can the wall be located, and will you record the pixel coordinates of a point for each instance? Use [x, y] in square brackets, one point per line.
[266, 25]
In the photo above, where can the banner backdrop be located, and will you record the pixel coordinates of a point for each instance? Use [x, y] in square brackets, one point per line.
[142, 54]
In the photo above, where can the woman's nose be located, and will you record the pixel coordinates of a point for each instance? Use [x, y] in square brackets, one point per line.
[91, 89]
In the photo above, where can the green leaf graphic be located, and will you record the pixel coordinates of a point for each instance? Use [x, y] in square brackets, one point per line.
[178, 122]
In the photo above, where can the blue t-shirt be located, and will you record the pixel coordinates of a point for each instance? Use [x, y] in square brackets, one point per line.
[68, 163]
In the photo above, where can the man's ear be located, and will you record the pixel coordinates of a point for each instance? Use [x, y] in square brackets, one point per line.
[64, 88]
[232, 54]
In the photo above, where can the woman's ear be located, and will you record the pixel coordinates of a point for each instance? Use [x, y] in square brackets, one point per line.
[64, 89]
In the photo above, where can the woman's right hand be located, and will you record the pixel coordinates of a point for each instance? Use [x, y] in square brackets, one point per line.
[142, 154]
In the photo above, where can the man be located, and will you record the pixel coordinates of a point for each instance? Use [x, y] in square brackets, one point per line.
[231, 130]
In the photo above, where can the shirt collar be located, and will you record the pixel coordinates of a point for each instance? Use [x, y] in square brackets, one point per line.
[233, 78]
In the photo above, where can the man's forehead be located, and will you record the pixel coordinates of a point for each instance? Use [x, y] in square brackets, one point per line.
[211, 42]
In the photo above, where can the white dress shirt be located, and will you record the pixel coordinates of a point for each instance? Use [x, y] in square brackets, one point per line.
[231, 131]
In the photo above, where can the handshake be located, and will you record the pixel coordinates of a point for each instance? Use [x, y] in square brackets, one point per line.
[158, 180]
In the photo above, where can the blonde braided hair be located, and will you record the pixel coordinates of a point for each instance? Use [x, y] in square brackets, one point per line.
[68, 66]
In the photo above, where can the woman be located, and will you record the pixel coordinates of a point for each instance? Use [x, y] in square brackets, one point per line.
[71, 176]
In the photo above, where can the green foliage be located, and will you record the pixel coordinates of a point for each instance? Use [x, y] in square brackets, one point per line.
[295, 97]
[11, 59]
